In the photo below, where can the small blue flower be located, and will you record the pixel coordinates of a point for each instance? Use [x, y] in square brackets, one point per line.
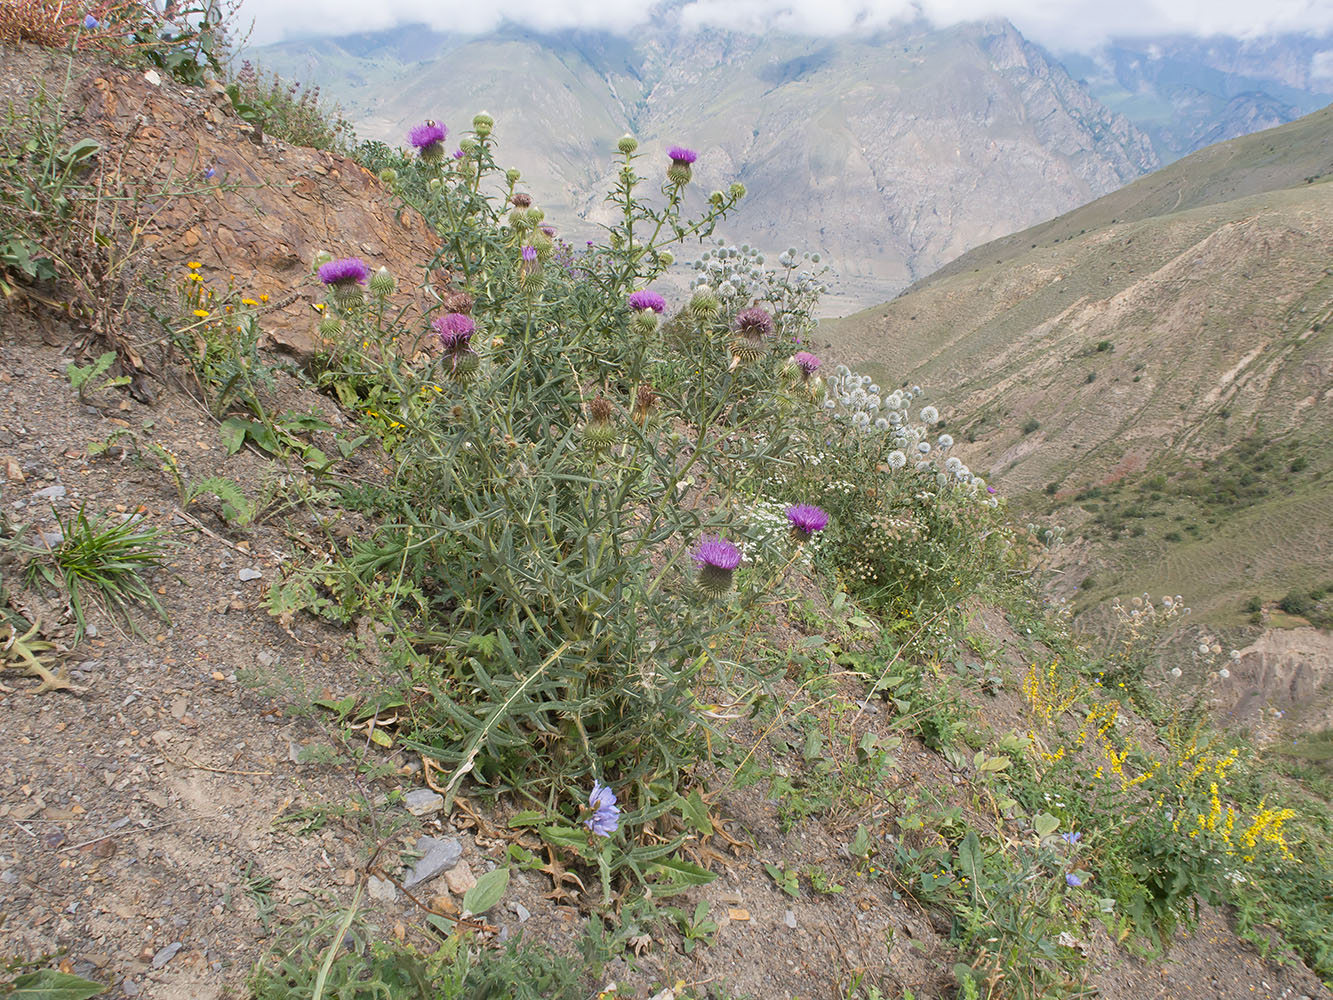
[209, 173]
[1073, 881]
[606, 814]
[1071, 838]
[91, 23]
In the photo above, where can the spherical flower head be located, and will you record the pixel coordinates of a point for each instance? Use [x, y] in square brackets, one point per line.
[805, 520]
[717, 559]
[605, 818]
[455, 331]
[930, 415]
[805, 361]
[346, 271]
[382, 283]
[646, 299]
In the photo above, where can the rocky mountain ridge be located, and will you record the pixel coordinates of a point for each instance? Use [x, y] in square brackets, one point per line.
[890, 153]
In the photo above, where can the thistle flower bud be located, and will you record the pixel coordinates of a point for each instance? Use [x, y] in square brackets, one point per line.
[467, 144]
[389, 176]
[330, 326]
[644, 401]
[627, 144]
[382, 283]
[705, 304]
[599, 432]
[434, 184]
[535, 215]
[666, 257]
[482, 123]
[512, 175]
[738, 192]
[717, 199]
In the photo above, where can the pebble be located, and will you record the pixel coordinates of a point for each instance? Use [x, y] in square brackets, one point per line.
[380, 890]
[520, 911]
[423, 802]
[166, 954]
[790, 919]
[56, 492]
[436, 856]
[460, 878]
[247, 574]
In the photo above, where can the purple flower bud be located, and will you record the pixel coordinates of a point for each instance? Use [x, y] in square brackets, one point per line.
[646, 299]
[754, 323]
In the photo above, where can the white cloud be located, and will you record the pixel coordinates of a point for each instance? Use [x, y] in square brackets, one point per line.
[1057, 23]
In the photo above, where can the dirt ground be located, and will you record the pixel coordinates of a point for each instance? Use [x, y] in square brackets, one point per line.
[162, 823]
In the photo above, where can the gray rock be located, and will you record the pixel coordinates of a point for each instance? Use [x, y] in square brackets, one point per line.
[790, 919]
[166, 954]
[247, 574]
[9, 877]
[423, 802]
[520, 911]
[130, 988]
[436, 856]
[380, 890]
[56, 492]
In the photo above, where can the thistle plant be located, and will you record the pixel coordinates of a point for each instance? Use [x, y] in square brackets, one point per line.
[568, 550]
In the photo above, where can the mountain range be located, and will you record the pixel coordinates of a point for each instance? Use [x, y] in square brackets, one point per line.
[891, 153]
[1153, 371]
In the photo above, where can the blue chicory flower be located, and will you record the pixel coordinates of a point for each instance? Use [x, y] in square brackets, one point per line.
[606, 814]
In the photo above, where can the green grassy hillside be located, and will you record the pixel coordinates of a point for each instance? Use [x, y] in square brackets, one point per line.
[1153, 369]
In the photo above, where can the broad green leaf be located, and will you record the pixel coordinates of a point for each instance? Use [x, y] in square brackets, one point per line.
[969, 855]
[814, 745]
[695, 812]
[680, 875]
[565, 836]
[1045, 824]
[528, 817]
[992, 764]
[232, 433]
[51, 984]
[487, 892]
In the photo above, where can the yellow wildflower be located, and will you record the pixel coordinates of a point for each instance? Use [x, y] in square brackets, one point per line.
[201, 313]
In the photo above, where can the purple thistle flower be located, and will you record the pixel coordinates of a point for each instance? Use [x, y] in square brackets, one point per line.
[805, 361]
[529, 253]
[754, 323]
[458, 154]
[717, 558]
[347, 271]
[646, 299]
[806, 519]
[716, 552]
[605, 818]
[992, 490]
[428, 133]
[1073, 881]
[91, 23]
[455, 331]
[679, 154]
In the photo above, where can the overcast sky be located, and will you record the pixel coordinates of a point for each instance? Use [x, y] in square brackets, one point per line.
[1058, 24]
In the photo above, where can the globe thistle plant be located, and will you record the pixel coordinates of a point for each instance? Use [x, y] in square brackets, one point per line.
[806, 519]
